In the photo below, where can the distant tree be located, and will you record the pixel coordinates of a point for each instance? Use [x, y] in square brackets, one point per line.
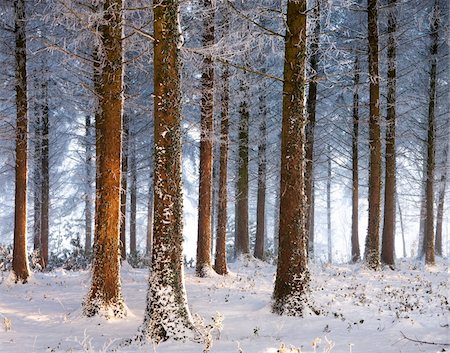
[88, 202]
[167, 313]
[105, 297]
[441, 199]
[205, 193]
[133, 194]
[388, 240]
[372, 251]
[292, 278]
[124, 186]
[20, 258]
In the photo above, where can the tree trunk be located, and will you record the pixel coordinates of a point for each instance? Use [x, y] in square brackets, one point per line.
[88, 185]
[242, 235]
[133, 196]
[372, 251]
[20, 258]
[37, 183]
[124, 188]
[292, 278]
[388, 240]
[167, 314]
[150, 219]
[261, 201]
[203, 263]
[310, 127]
[441, 199]
[402, 228]
[431, 140]
[105, 296]
[330, 244]
[45, 177]
[356, 256]
[220, 264]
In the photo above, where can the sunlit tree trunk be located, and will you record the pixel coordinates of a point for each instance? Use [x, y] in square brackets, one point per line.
[310, 127]
[372, 251]
[20, 258]
[356, 256]
[220, 264]
[203, 263]
[105, 296]
[167, 313]
[292, 278]
[388, 240]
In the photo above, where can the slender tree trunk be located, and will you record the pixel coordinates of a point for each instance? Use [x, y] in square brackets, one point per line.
[431, 140]
[105, 296]
[45, 177]
[167, 313]
[372, 251]
[261, 201]
[124, 187]
[37, 183]
[356, 256]
[402, 228]
[242, 235]
[423, 205]
[20, 258]
[88, 184]
[441, 199]
[133, 196]
[150, 215]
[220, 264]
[310, 127]
[292, 278]
[203, 263]
[330, 243]
[388, 241]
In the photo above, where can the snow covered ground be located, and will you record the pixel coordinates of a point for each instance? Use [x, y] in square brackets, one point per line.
[364, 312]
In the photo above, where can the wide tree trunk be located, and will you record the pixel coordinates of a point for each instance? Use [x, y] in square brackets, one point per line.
[45, 176]
[124, 187]
[372, 251]
[356, 256]
[261, 200]
[88, 184]
[292, 278]
[167, 313]
[241, 218]
[388, 240]
[133, 196]
[220, 264]
[203, 263]
[105, 296]
[431, 140]
[20, 258]
[310, 127]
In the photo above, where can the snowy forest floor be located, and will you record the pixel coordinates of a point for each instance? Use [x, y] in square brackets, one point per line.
[364, 311]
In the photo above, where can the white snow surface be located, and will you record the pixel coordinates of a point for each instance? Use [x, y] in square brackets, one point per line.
[364, 312]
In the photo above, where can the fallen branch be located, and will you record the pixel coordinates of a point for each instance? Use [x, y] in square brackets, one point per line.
[424, 342]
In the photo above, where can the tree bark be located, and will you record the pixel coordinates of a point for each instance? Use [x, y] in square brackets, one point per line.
[37, 183]
[20, 258]
[261, 199]
[167, 314]
[242, 235]
[124, 188]
[372, 251]
[388, 240]
[292, 278]
[310, 127]
[220, 264]
[441, 199]
[203, 263]
[431, 140]
[105, 296]
[88, 185]
[45, 176]
[330, 241]
[150, 215]
[133, 196]
[356, 256]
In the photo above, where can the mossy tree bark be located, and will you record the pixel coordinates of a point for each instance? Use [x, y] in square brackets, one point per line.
[310, 127]
[167, 314]
[372, 251]
[205, 193]
[220, 264]
[292, 278]
[388, 239]
[20, 258]
[105, 297]
[356, 256]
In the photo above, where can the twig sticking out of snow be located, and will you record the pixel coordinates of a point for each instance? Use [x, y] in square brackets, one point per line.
[424, 342]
